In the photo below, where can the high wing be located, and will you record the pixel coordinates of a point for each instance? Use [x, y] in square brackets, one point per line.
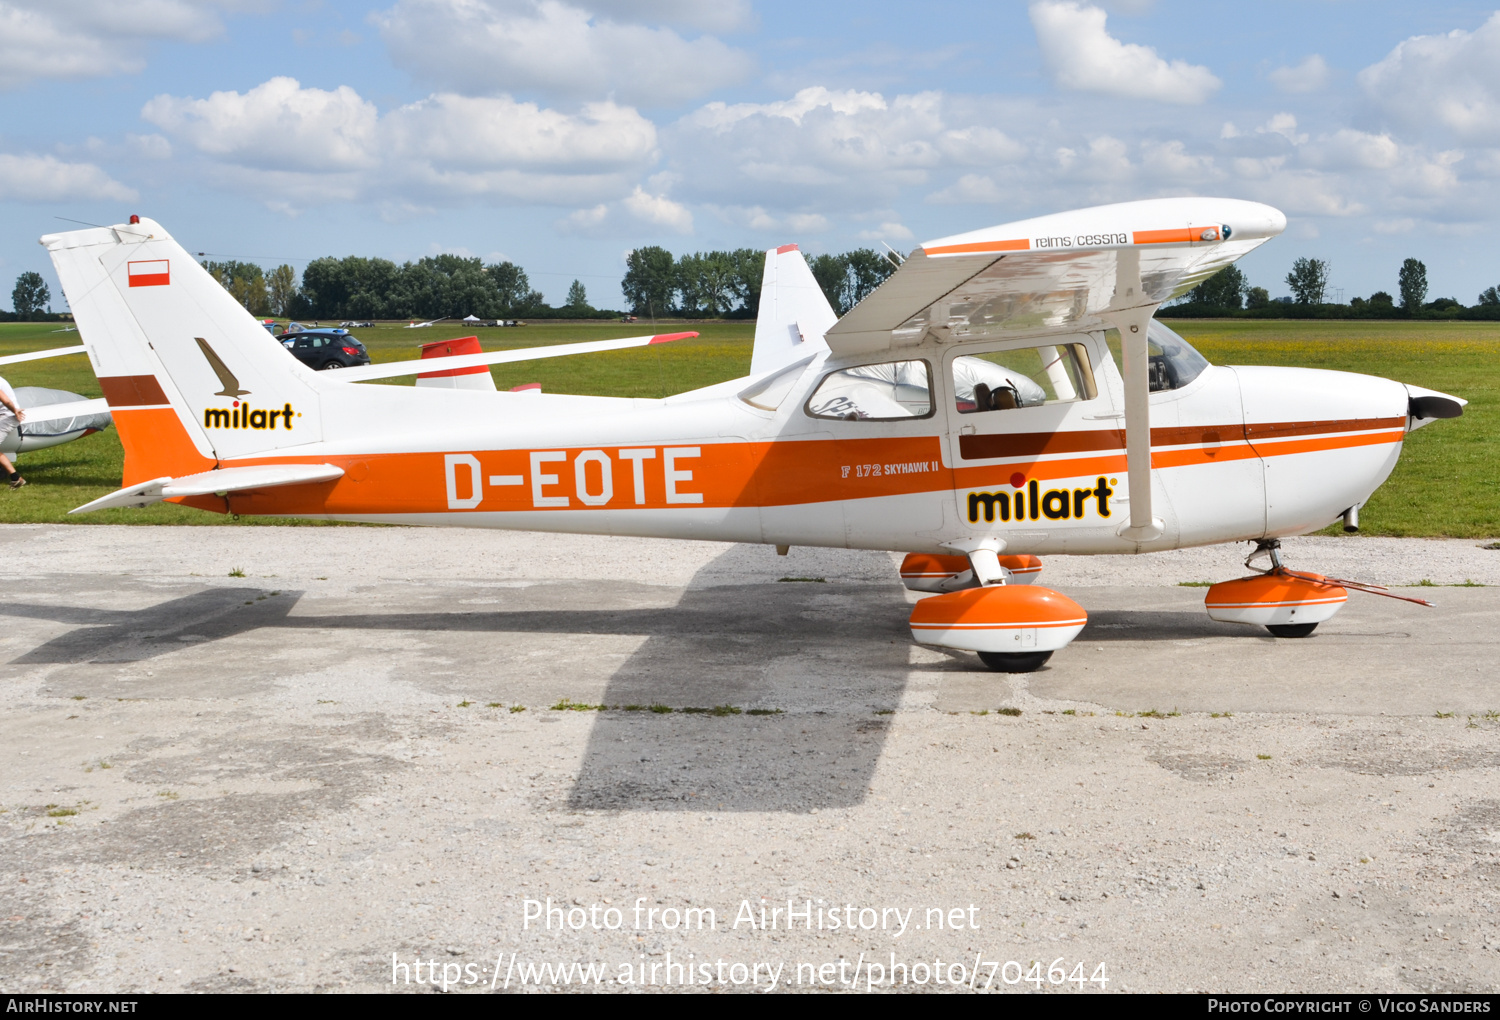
[1055, 274]
[1112, 265]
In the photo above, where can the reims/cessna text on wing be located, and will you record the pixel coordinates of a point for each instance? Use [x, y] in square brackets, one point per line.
[968, 412]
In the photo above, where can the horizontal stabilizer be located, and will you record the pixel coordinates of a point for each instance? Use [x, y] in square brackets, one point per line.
[56, 352]
[236, 479]
[396, 369]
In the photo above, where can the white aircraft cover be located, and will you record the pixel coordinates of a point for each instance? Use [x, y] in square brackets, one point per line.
[1054, 274]
[67, 415]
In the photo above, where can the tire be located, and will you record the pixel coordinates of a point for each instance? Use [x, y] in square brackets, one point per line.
[1015, 662]
[1291, 630]
[331, 364]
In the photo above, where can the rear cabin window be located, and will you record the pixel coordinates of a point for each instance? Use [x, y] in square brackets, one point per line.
[1022, 377]
[890, 391]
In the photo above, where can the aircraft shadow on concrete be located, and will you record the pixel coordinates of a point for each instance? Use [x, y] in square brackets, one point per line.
[830, 657]
[1158, 625]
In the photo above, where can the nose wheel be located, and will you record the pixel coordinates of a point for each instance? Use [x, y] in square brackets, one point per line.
[1015, 662]
[1291, 629]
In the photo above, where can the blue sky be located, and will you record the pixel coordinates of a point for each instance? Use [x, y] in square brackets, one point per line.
[562, 133]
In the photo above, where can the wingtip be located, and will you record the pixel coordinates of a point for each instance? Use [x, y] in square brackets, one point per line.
[666, 338]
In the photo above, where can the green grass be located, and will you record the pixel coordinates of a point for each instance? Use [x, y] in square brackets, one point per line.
[1444, 483]
[1442, 486]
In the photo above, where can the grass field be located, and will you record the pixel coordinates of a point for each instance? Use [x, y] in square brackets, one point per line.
[1445, 484]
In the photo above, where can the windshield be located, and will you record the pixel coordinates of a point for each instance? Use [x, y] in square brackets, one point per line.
[1173, 361]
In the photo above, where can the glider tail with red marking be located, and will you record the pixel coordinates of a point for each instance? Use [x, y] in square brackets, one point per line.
[794, 313]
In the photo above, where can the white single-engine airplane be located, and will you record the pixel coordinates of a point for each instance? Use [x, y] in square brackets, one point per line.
[969, 412]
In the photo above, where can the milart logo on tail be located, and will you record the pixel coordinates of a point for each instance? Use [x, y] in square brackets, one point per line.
[241, 416]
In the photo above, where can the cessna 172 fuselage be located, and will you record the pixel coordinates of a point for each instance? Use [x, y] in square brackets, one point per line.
[1004, 395]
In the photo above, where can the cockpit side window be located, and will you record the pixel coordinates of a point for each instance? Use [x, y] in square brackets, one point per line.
[1022, 377]
[891, 391]
[1173, 363]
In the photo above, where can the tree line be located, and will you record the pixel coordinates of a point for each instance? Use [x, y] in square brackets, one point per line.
[715, 284]
[727, 283]
[1228, 293]
[439, 286]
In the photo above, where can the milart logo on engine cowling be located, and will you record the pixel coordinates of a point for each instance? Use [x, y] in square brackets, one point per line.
[243, 416]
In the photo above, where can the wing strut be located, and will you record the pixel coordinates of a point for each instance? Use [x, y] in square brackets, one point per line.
[1132, 320]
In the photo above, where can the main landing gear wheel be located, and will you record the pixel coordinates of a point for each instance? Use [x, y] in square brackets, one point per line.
[1015, 662]
[1291, 629]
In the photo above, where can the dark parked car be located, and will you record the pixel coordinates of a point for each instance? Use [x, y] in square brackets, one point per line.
[325, 348]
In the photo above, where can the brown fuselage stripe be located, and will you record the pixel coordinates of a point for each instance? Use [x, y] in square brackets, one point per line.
[132, 391]
[1037, 444]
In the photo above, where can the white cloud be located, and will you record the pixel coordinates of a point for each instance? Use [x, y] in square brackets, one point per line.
[821, 149]
[467, 132]
[1285, 125]
[887, 232]
[974, 189]
[1106, 158]
[560, 49]
[983, 146]
[658, 210]
[276, 125]
[721, 116]
[1309, 76]
[51, 39]
[1082, 56]
[585, 221]
[1351, 149]
[1403, 225]
[47, 179]
[149, 146]
[1306, 193]
[1171, 161]
[293, 146]
[1452, 81]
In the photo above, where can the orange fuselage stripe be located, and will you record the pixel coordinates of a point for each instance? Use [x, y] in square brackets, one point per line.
[721, 475]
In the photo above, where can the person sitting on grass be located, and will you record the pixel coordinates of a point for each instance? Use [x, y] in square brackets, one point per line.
[11, 415]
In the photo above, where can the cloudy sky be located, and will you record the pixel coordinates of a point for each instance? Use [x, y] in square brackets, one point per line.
[562, 133]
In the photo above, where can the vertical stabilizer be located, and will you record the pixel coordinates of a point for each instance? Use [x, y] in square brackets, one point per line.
[794, 314]
[191, 377]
